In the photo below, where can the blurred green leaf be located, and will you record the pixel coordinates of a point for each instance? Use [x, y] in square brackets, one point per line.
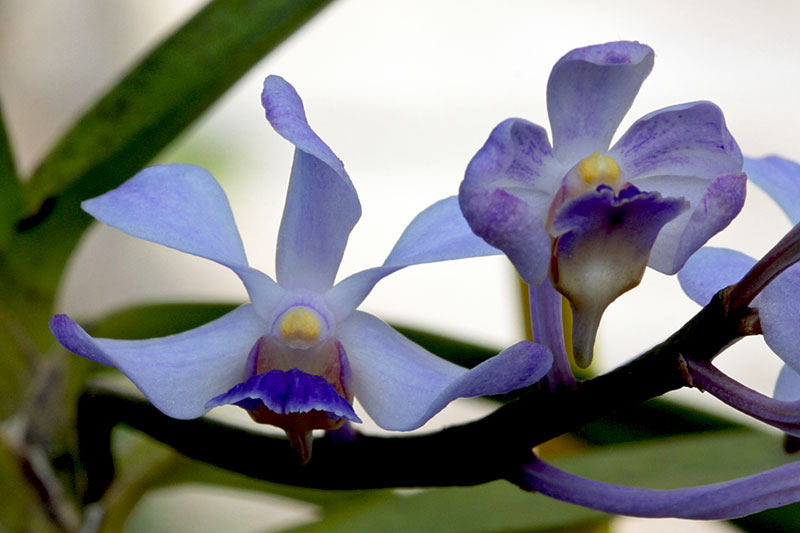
[655, 419]
[170, 88]
[144, 465]
[497, 506]
[11, 197]
[154, 103]
[158, 320]
[18, 498]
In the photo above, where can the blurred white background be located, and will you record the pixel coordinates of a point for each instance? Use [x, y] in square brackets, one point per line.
[405, 93]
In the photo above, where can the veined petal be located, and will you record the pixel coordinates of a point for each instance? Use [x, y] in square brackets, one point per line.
[779, 315]
[507, 191]
[439, 233]
[182, 207]
[178, 373]
[401, 385]
[780, 178]
[787, 388]
[589, 91]
[712, 206]
[292, 391]
[710, 270]
[321, 206]
[683, 140]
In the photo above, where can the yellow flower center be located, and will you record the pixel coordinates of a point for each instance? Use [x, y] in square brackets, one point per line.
[300, 327]
[599, 169]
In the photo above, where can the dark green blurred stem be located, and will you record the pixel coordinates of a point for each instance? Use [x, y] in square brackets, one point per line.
[485, 450]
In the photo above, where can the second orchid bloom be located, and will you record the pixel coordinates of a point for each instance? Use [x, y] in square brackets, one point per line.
[591, 216]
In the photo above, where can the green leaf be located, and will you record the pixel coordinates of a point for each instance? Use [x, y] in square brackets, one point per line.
[655, 419]
[170, 88]
[497, 506]
[159, 320]
[18, 496]
[139, 117]
[145, 465]
[11, 197]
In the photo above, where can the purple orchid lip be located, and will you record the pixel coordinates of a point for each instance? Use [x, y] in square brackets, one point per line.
[287, 392]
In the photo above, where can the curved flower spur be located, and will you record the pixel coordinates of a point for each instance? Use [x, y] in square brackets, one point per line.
[299, 353]
[590, 216]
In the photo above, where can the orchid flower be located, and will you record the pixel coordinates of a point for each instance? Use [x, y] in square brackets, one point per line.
[592, 217]
[299, 353]
[712, 269]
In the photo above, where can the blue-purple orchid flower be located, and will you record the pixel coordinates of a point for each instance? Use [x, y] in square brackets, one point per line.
[712, 269]
[590, 216]
[704, 274]
[299, 353]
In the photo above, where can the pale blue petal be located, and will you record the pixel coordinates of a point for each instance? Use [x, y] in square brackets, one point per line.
[439, 233]
[787, 388]
[779, 314]
[507, 191]
[401, 385]
[684, 140]
[710, 270]
[780, 178]
[178, 373]
[589, 91]
[180, 206]
[321, 206]
[713, 204]
[183, 207]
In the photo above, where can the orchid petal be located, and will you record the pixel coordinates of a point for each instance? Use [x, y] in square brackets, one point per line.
[713, 204]
[780, 178]
[178, 373]
[779, 315]
[507, 191]
[717, 501]
[321, 206]
[293, 391]
[683, 140]
[710, 270]
[589, 91]
[401, 385]
[787, 388]
[182, 207]
[439, 233]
